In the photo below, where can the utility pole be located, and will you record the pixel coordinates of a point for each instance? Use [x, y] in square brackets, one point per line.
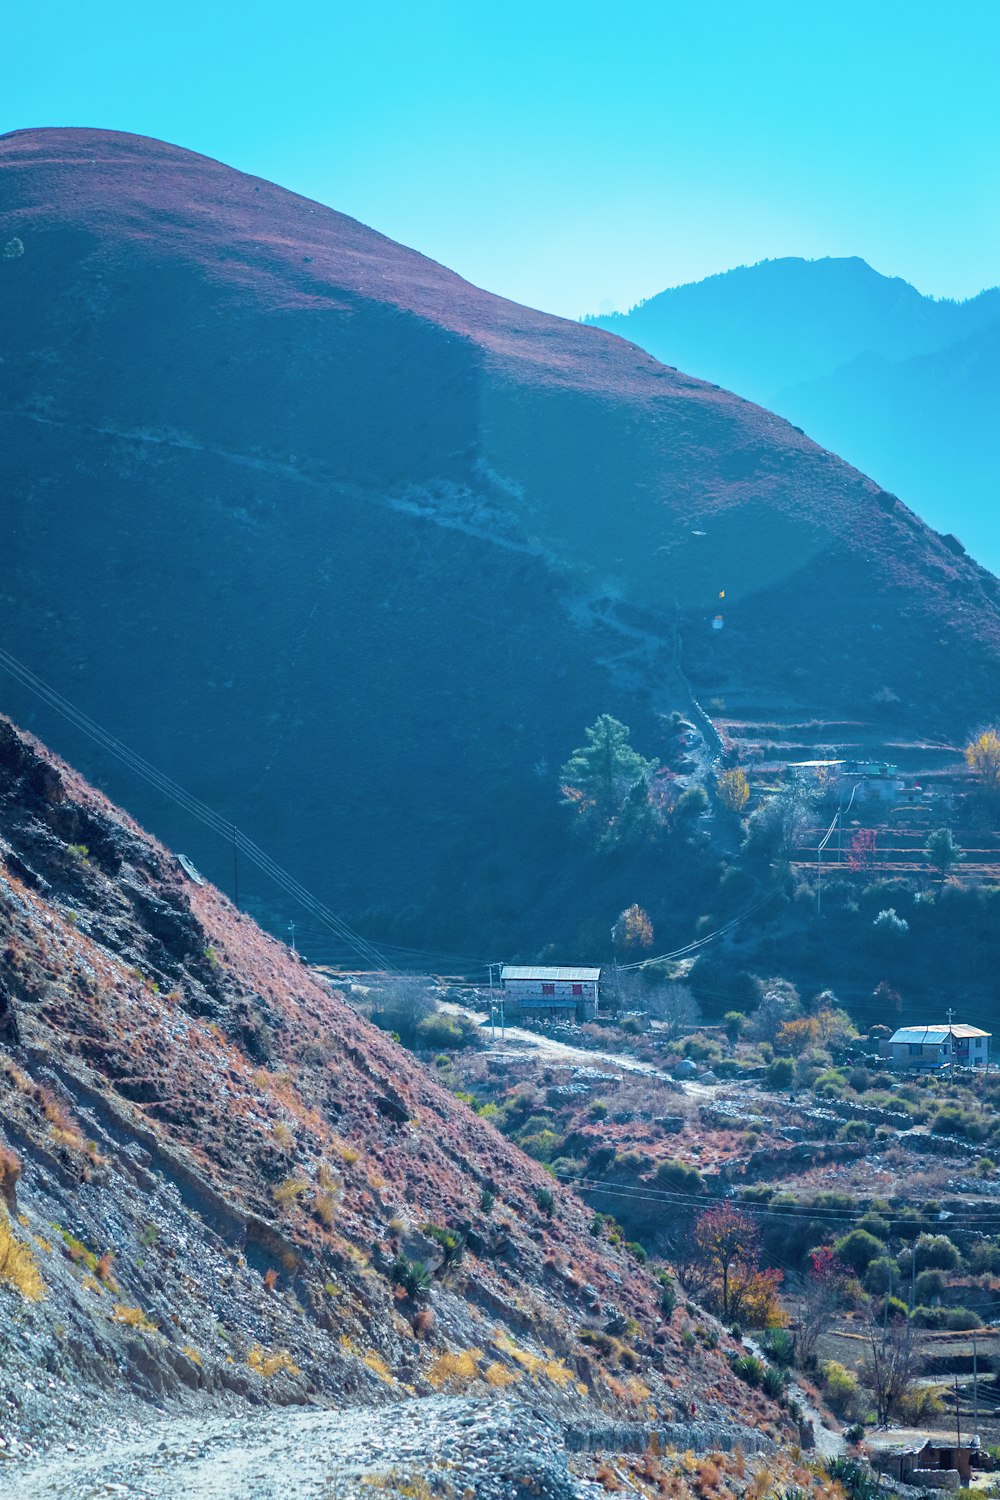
[291, 928]
[236, 872]
[975, 1383]
[819, 876]
[618, 990]
[958, 1417]
[493, 1014]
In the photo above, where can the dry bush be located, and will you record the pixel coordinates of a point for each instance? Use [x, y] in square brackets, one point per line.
[288, 1193]
[62, 1127]
[103, 1270]
[134, 1317]
[17, 1264]
[455, 1367]
[377, 1364]
[325, 1207]
[271, 1278]
[10, 1171]
[500, 1376]
[267, 1364]
[423, 1323]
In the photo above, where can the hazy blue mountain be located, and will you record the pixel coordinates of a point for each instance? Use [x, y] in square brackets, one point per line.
[924, 427]
[902, 386]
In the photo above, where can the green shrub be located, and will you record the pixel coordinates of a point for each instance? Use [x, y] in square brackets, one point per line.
[440, 1032]
[779, 1346]
[955, 1319]
[412, 1275]
[841, 1389]
[936, 1252]
[781, 1073]
[748, 1367]
[543, 1146]
[858, 1249]
[918, 1407]
[679, 1177]
[773, 1382]
[952, 1120]
[545, 1201]
[880, 1276]
[855, 1130]
[929, 1288]
[450, 1241]
[829, 1084]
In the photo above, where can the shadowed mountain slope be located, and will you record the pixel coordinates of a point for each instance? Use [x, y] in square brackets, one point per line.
[353, 549]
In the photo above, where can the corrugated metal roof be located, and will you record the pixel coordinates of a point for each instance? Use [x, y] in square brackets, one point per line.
[549, 975]
[938, 1033]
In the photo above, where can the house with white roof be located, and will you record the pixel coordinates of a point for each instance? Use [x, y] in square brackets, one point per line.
[917, 1048]
[551, 990]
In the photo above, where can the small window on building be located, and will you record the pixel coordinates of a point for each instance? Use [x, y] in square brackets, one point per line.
[578, 989]
[548, 989]
[915, 1049]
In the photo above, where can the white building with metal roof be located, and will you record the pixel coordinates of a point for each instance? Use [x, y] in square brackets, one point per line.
[546, 989]
[920, 1047]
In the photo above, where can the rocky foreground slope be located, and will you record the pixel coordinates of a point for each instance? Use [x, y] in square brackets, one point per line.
[378, 544]
[222, 1186]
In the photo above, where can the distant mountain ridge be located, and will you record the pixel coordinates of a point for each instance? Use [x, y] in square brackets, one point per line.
[897, 383]
[354, 550]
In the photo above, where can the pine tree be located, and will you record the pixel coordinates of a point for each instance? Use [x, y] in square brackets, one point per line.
[942, 851]
[599, 775]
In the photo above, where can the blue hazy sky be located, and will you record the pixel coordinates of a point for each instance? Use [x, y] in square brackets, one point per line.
[574, 156]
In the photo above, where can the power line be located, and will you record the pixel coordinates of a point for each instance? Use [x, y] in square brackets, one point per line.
[192, 805]
[798, 1210]
[710, 937]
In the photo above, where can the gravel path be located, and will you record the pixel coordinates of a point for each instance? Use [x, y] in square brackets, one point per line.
[546, 1046]
[465, 1448]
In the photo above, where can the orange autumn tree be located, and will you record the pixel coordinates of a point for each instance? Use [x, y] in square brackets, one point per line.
[633, 929]
[726, 1265]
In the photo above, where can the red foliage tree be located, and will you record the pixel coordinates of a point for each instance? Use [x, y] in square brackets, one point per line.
[861, 854]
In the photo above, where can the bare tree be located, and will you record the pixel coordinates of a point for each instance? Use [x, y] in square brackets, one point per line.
[675, 1005]
[892, 1364]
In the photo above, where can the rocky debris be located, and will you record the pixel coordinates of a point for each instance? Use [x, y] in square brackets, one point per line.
[440, 1446]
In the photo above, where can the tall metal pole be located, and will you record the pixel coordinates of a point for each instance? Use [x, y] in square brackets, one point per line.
[975, 1382]
[493, 1014]
[236, 873]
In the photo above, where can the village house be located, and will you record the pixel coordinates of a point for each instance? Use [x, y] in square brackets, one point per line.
[926, 1461]
[554, 991]
[918, 1048]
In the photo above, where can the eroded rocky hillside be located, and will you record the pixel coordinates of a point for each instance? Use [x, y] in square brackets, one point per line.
[221, 1183]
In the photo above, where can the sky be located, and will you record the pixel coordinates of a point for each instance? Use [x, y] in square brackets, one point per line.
[573, 156]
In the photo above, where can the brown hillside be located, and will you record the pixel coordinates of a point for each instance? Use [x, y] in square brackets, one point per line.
[353, 549]
[221, 1167]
